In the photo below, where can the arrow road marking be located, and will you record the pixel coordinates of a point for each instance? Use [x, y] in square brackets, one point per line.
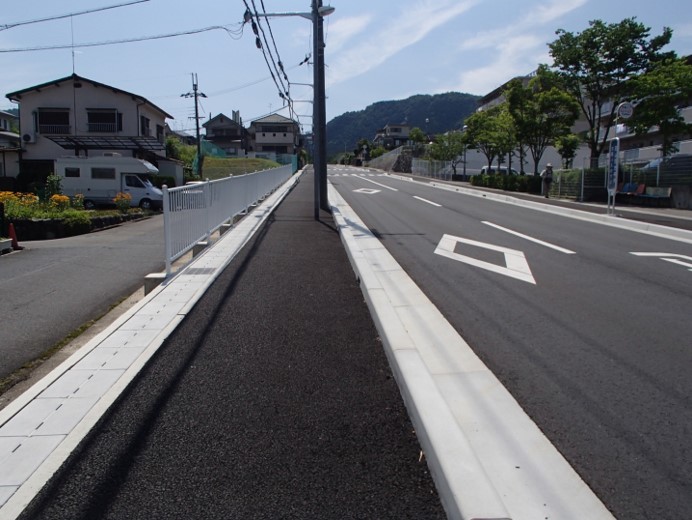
[382, 185]
[673, 258]
[428, 201]
[515, 266]
[526, 237]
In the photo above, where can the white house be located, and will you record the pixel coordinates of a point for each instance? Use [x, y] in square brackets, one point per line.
[79, 116]
[9, 145]
[274, 134]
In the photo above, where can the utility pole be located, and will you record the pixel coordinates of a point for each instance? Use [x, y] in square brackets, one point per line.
[319, 108]
[196, 95]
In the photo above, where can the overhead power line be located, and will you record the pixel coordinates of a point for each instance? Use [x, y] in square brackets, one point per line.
[235, 34]
[274, 64]
[4, 27]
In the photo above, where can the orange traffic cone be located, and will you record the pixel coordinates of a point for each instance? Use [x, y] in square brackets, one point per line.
[13, 236]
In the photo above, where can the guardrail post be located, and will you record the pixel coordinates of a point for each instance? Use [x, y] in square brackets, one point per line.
[207, 208]
[167, 229]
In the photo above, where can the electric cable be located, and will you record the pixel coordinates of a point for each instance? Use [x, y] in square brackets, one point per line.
[4, 27]
[231, 33]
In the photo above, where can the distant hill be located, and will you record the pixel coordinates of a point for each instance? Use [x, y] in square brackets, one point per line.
[444, 112]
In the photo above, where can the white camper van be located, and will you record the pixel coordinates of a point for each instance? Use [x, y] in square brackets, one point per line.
[100, 178]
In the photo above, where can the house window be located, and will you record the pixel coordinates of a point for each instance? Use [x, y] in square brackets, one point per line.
[54, 120]
[144, 125]
[71, 172]
[104, 120]
[159, 133]
[103, 173]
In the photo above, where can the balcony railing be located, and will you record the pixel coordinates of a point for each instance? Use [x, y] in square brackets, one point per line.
[55, 129]
[105, 128]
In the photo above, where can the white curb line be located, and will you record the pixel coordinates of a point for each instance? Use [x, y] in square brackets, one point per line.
[488, 458]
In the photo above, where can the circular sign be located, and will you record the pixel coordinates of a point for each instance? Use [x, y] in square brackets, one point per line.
[625, 110]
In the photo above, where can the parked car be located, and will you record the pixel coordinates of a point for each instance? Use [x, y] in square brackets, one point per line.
[502, 170]
[99, 179]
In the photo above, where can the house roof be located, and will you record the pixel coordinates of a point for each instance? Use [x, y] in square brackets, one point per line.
[17, 95]
[274, 118]
[9, 135]
[216, 118]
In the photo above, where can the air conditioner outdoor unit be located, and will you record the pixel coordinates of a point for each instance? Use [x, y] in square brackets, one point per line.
[29, 138]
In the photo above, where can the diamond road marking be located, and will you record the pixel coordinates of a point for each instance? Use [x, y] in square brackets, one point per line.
[515, 266]
[367, 191]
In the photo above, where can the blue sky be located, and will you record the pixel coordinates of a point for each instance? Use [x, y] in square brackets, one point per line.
[376, 50]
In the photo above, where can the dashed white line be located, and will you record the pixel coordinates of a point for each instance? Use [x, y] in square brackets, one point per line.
[383, 185]
[427, 201]
[531, 239]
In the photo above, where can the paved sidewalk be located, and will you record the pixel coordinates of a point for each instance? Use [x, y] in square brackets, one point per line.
[272, 398]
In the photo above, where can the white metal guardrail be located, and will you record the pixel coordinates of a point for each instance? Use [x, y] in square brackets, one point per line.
[191, 213]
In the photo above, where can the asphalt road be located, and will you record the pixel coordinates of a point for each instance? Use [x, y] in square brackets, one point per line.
[53, 287]
[593, 341]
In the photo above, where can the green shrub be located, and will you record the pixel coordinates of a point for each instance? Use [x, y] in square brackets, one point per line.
[77, 201]
[53, 186]
[76, 222]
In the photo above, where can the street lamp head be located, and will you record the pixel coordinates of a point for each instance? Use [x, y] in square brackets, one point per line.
[326, 10]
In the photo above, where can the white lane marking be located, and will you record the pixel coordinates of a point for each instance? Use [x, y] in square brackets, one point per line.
[531, 239]
[673, 258]
[515, 266]
[428, 201]
[367, 191]
[383, 185]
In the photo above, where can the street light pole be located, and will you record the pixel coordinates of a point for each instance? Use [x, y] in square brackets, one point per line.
[319, 107]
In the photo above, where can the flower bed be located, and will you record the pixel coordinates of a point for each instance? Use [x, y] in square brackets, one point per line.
[59, 216]
[50, 228]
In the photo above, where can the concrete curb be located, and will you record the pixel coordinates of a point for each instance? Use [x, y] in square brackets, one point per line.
[488, 459]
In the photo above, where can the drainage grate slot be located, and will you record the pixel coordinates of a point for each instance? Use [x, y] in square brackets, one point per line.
[200, 270]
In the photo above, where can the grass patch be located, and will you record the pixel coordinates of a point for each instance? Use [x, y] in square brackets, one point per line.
[220, 167]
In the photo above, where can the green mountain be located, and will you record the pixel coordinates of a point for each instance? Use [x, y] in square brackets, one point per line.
[434, 114]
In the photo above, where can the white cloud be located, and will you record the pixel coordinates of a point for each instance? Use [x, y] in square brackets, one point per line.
[514, 57]
[540, 15]
[553, 10]
[342, 30]
[407, 29]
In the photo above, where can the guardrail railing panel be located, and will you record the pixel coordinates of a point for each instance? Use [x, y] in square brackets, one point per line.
[191, 213]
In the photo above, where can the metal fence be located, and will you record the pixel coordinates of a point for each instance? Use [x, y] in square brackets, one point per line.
[386, 162]
[191, 213]
[434, 169]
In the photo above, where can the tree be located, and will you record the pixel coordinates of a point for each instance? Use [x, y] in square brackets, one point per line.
[448, 147]
[662, 93]
[542, 112]
[417, 135]
[597, 66]
[491, 132]
[175, 149]
[567, 146]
